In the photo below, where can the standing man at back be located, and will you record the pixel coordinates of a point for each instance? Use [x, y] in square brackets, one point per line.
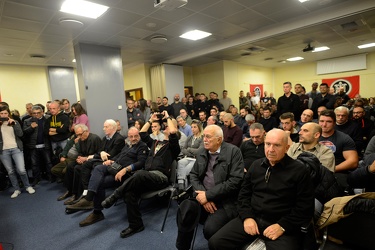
[177, 105]
[57, 126]
[288, 102]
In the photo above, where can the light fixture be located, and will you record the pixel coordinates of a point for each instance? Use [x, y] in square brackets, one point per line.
[323, 48]
[364, 46]
[195, 35]
[74, 60]
[302, 1]
[297, 58]
[70, 23]
[83, 8]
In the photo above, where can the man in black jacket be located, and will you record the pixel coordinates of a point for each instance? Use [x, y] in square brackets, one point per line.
[216, 178]
[154, 176]
[38, 143]
[275, 200]
[288, 102]
[131, 159]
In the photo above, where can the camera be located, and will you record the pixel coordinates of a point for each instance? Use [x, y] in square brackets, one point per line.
[4, 119]
[34, 119]
[159, 116]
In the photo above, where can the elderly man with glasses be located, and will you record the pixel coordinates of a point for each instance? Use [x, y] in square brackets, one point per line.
[253, 149]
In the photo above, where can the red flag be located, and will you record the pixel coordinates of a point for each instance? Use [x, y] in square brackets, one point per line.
[350, 84]
[258, 88]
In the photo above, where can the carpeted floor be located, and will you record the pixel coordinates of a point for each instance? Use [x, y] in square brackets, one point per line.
[39, 222]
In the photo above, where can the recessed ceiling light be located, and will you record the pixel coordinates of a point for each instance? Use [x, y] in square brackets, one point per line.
[368, 45]
[83, 8]
[323, 48]
[302, 1]
[74, 60]
[195, 35]
[8, 54]
[297, 58]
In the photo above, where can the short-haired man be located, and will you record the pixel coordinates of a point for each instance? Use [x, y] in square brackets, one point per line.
[341, 93]
[366, 125]
[88, 144]
[216, 178]
[250, 119]
[254, 148]
[184, 114]
[267, 120]
[303, 98]
[225, 101]
[183, 126]
[232, 133]
[343, 147]
[306, 116]
[309, 135]
[322, 99]
[212, 120]
[155, 175]
[38, 143]
[349, 127]
[202, 118]
[177, 106]
[275, 200]
[132, 158]
[288, 124]
[288, 102]
[57, 126]
[132, 113]
[314, 92]
[240, 120]
[167, 107]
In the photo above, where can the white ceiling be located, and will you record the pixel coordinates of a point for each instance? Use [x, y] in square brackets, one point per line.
[274, 30]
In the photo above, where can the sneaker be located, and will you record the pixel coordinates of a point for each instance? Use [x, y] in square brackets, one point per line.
[30, 190]
[15, 194]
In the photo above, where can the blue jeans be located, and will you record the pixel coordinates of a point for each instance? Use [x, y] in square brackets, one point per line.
[17, 155]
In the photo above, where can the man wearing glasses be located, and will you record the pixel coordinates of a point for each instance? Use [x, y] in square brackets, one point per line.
[38, 144]
[275, 200]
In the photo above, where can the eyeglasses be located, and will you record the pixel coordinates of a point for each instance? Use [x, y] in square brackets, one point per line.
[80, 134]
[36, 113]
[267, 175]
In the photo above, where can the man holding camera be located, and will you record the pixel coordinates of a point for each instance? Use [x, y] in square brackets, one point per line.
[38, 144]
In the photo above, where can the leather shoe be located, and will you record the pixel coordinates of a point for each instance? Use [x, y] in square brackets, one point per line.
[64, 196]
[91, 219]
[70, 201]
[110, 200]
[130, 231]
[35, 182]
[70, 211]
[82, 204]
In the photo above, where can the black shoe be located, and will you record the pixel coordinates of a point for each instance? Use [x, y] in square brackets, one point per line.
[70, 201]
[35, 182]
[82, 204]
[130, 231]
[70, 211]
[110, 200]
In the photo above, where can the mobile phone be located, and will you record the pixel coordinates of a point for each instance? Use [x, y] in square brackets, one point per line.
[4, 119]
[34, 119]
[159, 116]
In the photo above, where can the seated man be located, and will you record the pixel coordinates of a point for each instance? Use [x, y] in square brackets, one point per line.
[309, 142]
[343, 147]
[364, 175]
[216, 178]
[185, 116]
[254, 148]
[183, 126]
[288, 124]
[232, 133]
[89, 144]
[132, 158]
[250, 119]
[267, 120]
[366, 125]
[349, 127]
[275, 200]
[112, 144]
[306, 116]
[155, 175]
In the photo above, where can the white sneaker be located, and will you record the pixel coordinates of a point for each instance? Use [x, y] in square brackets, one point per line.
[30, 190]
[15, 194]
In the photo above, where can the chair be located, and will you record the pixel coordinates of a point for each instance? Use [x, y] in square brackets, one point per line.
[171, 189]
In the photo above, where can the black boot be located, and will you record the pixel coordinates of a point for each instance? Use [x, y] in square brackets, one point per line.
[110, 200]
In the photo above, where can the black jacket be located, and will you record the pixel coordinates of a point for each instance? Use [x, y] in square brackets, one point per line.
[135, 155]
[112, 146]
[30, 134]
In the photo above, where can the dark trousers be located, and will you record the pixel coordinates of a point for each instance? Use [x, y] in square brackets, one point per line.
[72, 180]
[212, 222]
[59, 169]
[142, 181]
[233, 236]
[100, 180]
[40, 160]
[86, 169]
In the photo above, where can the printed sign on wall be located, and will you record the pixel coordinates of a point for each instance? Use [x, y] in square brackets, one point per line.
[350, 84]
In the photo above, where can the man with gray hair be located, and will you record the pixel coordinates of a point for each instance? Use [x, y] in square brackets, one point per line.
[349, 127]
[88, 144]
[253, 149]
[250, 119]
[38, 143]
[216, 178]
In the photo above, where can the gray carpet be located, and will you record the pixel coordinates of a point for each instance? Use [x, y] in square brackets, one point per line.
[39, 222]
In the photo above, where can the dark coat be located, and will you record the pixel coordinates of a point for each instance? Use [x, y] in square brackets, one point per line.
[30, 134]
